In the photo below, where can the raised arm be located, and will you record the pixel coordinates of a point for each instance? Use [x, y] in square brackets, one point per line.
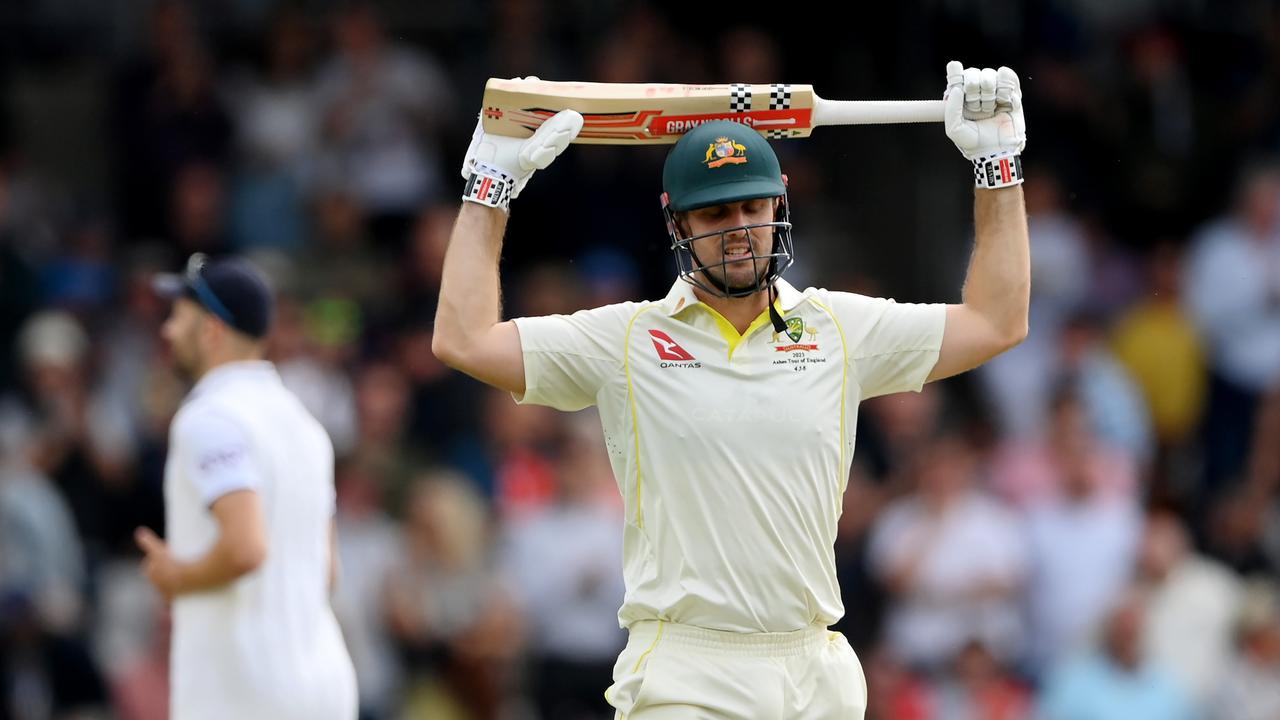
[469, 335]
[983, 110]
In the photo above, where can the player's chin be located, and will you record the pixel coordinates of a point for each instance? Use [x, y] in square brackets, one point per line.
[743, 281]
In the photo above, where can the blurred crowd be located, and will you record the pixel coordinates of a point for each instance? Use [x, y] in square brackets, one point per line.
[1087, 527]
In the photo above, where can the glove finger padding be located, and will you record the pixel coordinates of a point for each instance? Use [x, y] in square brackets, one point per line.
[987, 90]
[973, 91]
[963, 132]
[1006, 84]
[955, 75]
[550, 140]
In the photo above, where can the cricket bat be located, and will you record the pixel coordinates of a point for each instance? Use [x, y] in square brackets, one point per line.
[658, 113]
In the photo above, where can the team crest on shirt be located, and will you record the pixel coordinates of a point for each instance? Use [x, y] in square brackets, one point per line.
[725, 151]
[799, 356]
[796, 330]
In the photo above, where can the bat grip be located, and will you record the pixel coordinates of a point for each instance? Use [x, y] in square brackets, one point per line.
[875, 112]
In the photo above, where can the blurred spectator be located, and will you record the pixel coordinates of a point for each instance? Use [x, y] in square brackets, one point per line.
[129, 346]
[952, 560]
[47, 674]
[130, 637]
[421, 270]
[893, 691]
[368, 541]
[892, 432]
[1028, 472]
[523, 443]
[1112, 399]
[1191, 608]
[610, 276]
[19, 289]
[140, 686]
[319, 379]
[548, 289]
[1233, 293]
[1116, 681]
[1161, 348]
[339, 265]
[197, 200]
[523, 40]
[1264, 455]
[1157, 128]
[1237, 527]
[1082, 540]
[445, 407]
[382, 401]
[382, 104]
[564, 565]
[981, 688]
[81, 276]
[277, 130]
[71, 436]
[40, 552]
[449, 615]
[1251, 683]
[167, 117]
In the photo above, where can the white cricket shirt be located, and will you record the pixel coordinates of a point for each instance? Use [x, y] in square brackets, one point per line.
[266, 645]
[731, 452]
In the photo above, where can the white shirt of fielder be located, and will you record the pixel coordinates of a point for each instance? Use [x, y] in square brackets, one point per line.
[731, 451]
[266, 645]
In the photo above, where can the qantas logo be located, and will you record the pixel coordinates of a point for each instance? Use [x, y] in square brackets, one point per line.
[667, 348]
[670, 352]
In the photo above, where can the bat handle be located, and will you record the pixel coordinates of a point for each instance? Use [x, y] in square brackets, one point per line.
[875, 112]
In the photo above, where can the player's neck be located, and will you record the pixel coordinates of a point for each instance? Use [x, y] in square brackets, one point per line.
[223, 359]
[739, 311]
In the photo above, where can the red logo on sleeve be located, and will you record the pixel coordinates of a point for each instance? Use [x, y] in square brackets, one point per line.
[667, 348]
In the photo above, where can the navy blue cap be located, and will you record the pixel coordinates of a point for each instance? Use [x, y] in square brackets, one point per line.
[231, 288]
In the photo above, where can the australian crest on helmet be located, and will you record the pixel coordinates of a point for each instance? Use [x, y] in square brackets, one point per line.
[725, 151]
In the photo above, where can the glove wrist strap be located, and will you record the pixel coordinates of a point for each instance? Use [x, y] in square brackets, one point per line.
[489, 185]
[997, 170]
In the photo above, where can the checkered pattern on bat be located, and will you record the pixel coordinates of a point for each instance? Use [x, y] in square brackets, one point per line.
[739, 97]
[779, 96]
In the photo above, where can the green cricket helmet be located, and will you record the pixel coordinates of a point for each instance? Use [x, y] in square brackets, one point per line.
[717, 163]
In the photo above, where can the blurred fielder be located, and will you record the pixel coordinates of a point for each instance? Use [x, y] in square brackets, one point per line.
[249, 503]
[729, 406]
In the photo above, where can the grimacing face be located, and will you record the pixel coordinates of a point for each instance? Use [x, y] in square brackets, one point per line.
[711, 251]
[182, 331]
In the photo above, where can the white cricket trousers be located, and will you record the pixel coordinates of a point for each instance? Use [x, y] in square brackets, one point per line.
[679, 672]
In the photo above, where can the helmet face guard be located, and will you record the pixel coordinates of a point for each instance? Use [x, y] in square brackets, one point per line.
[719, 163]
[707, 275]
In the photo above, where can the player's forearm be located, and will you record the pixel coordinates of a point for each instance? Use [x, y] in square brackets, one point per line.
[470, 296]
[225, 562]
[998, 284]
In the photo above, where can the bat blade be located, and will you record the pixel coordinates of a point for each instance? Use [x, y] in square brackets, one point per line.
[659, 113]
[640, 113]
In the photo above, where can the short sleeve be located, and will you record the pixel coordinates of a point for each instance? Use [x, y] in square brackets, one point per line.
[892, 346]
[568, 358]
[216, 455]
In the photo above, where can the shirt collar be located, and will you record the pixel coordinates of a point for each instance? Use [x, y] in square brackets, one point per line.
[228, 372]
[681, 296]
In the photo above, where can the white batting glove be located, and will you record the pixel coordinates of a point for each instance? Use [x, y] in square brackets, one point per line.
[496, 168]
[983, 116]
